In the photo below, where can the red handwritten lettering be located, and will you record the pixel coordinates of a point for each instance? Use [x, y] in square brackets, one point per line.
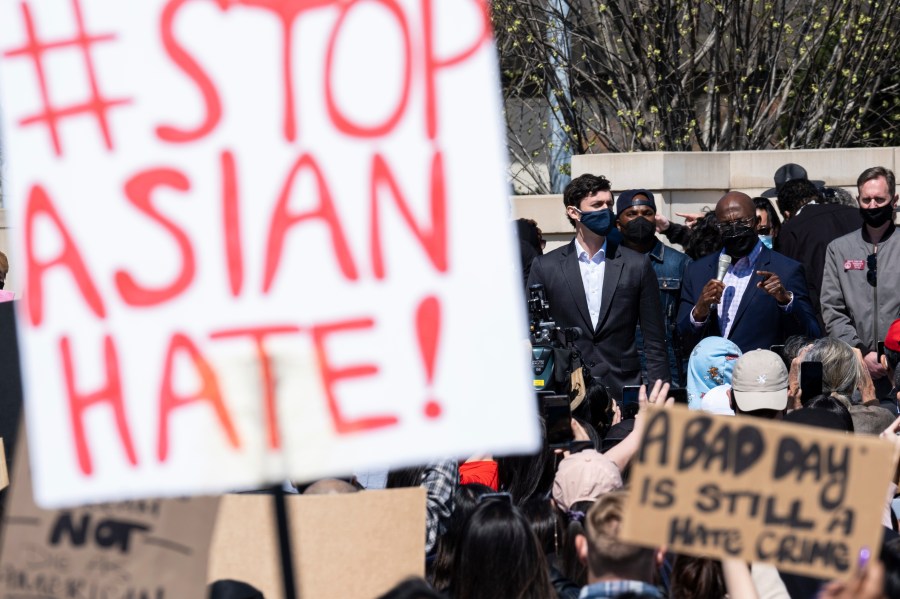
[332, 376]
[231, 217]
[110, 393]
[337, 117]
[434, 239]
[209, 391]
[138, 190]
[434, 64]
[258, 335]
[39, 204]
[282, 221]
[183, 59]
[287, 11]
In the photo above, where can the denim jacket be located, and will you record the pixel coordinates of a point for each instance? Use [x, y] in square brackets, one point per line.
[669, 265]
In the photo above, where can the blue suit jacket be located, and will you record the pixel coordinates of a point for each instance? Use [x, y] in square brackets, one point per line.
[759, 322]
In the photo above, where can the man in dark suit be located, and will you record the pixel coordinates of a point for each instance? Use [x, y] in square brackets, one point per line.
[809, 226]
[762, 297]
[605, 290]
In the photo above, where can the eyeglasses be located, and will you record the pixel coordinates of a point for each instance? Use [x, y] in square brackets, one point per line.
[766, 230]
[872, 273]
[734, 227]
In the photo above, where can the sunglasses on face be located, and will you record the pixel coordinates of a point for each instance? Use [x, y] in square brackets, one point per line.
[764, 230]
[734, 227]
[872, 273]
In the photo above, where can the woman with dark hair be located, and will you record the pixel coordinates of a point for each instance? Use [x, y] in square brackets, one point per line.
[548, 527]
[769, 225]
[705, 237]
[526, 476]
[499, 556]
[465, 500]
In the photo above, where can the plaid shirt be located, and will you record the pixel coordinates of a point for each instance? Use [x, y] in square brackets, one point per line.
[614, 588]
[440, 480]
[736, 281]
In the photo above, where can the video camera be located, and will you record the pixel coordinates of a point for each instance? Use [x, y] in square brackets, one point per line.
[557, 367]
[547, 342]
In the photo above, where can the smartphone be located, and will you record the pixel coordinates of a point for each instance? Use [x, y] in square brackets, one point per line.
[630, 404]
[778, 349]
[810, 380]
[880, 349]
[558, 416]
[680, 395]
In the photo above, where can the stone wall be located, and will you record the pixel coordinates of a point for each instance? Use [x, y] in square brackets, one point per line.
[691, 181]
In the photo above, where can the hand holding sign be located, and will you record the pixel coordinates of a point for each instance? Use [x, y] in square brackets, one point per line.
[868, 584]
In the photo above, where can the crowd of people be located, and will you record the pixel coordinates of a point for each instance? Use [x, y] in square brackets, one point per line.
[732, 320]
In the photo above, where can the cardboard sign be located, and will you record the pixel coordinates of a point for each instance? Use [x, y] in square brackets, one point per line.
[150, 548]
[806, 500]
[358, 545]
[260, 240]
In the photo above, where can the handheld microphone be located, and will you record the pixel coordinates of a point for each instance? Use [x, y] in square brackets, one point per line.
[724, 263]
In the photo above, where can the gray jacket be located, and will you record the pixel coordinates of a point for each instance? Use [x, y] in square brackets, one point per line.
[848, 301]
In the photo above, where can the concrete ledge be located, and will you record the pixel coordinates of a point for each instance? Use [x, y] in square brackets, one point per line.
[746, 171]
[838, 168]
[691, 181]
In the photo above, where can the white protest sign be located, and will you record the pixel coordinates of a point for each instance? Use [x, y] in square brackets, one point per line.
[259, 240]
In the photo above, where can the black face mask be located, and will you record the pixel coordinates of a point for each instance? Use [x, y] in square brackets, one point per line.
[639, 231]
[875, 217]
[741, 243]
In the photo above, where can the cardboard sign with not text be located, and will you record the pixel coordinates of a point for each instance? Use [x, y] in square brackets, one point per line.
[147, 548]
[806, 500]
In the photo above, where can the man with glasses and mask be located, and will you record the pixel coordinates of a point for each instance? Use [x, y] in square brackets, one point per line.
[604, 289]
[636, 211]
[861, 281]
[761, 298]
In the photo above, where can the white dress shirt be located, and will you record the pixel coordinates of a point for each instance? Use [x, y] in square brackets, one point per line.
[592, 269]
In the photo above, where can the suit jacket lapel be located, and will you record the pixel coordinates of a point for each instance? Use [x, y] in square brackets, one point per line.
[750, 293]
[612, 271]
[569, 266]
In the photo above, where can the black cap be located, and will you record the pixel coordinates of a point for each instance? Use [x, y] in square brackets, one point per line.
[632, 197]
[788, 172]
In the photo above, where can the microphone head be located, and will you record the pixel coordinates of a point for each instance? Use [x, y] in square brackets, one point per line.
[724, 263]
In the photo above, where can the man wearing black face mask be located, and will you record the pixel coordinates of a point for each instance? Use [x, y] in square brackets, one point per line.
[761, 299]
[861, 281]
[604, 289]
[636, 210]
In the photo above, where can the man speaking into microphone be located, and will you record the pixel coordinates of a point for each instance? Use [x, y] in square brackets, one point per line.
[746, 293]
